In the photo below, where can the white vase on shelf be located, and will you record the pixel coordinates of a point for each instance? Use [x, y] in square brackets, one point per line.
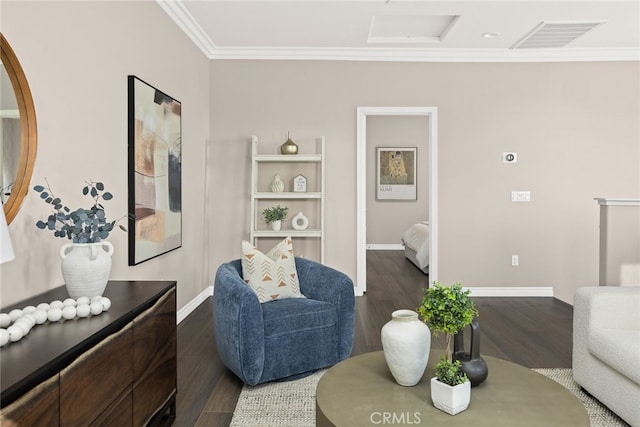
[406, 343]
[300, 222]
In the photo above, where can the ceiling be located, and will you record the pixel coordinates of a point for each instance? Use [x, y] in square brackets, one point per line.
[423, 30]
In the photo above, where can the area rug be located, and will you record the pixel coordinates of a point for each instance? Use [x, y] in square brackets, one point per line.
[292, 404]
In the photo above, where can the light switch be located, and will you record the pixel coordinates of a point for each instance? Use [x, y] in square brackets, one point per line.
[521, 196]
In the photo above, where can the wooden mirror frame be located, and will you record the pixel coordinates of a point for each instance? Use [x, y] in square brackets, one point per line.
[28, 129]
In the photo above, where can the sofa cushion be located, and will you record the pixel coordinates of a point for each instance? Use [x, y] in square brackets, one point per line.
[295, 315]
[272, 276]
[618, 348]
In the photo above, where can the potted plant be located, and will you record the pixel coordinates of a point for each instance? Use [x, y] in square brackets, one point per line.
[86, 260]
[448, 309]
[274, 216]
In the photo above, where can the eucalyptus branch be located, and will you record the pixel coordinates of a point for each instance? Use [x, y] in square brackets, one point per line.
[81, 225]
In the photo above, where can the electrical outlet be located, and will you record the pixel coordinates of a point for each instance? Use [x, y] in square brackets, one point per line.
[515, 261]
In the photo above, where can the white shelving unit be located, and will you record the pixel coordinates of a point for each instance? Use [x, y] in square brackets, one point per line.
[311, 203]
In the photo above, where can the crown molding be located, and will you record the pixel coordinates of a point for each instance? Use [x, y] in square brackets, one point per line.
[183, 18]
[428, 55]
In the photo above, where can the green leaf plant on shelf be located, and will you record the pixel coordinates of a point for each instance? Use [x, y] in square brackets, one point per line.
[448, 309]
[275, 215]
[81, 225]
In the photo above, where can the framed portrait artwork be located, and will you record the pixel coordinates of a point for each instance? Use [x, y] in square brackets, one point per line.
[155, 172]
[396, 173]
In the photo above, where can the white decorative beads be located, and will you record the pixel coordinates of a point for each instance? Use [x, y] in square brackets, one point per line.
[28, 309]
[18, 323]
[15, 333]
[69, 312]
[4, 337]
[40, 316]
[96, 308]
[83, 310]
[5, 320]
[15, 314]
[56, 304]
[54, 314]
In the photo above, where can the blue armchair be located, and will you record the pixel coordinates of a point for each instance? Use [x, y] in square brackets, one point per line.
[283, 339]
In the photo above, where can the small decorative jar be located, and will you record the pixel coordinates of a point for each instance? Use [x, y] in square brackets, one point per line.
[406, 343]
[277, 186]
[289, 147]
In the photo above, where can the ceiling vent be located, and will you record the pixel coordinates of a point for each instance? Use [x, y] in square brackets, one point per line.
[410, 28]
[554, 34]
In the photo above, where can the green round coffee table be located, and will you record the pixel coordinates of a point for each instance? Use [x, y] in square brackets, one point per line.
[360, 391]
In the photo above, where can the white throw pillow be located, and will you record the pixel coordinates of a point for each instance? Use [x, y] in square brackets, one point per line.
[272, 276]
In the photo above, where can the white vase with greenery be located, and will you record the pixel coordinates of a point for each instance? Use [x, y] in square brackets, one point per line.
[86, 260]
[274, 216]
[86, 268]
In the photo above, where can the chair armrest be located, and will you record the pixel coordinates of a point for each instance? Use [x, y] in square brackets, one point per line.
[611, 307]
[319, 282]
[238, 324]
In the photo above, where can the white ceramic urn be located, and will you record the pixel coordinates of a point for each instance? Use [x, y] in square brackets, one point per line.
[86, 268]
[406, 343]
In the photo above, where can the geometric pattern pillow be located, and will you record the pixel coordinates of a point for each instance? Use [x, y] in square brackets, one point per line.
[272, 276]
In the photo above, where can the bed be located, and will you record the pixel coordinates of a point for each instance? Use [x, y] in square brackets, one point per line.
[416, 245]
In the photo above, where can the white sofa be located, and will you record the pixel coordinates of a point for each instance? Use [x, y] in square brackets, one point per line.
[606, 347]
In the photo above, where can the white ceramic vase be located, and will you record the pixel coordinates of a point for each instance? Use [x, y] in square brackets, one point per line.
[450, 399]
[300, 222]
[86, 268]
[406, 343]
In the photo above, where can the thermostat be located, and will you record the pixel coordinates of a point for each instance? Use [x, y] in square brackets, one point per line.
[509, 157]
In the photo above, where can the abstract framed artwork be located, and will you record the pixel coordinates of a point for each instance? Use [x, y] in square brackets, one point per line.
[396, 173]
[155, 172]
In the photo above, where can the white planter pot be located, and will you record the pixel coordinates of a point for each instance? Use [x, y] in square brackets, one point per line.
[86, 268]
[450, 399]
[276, 225]
[406, 343]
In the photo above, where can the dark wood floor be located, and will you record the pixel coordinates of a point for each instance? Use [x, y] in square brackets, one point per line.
[533, 332]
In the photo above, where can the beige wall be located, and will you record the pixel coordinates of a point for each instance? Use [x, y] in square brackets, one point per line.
[574, 126]
[388, 219]
[76, 56]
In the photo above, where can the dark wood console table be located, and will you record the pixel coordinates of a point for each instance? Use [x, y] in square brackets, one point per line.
[117, 368]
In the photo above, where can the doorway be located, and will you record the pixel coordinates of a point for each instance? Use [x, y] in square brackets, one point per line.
[430, 113]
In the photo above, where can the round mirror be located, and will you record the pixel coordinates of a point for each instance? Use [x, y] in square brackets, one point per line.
[18, 130]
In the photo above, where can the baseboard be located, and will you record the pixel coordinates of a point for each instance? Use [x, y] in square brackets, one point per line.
[193, 304]
[385, 247]
[480, 291]
[494, 291]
